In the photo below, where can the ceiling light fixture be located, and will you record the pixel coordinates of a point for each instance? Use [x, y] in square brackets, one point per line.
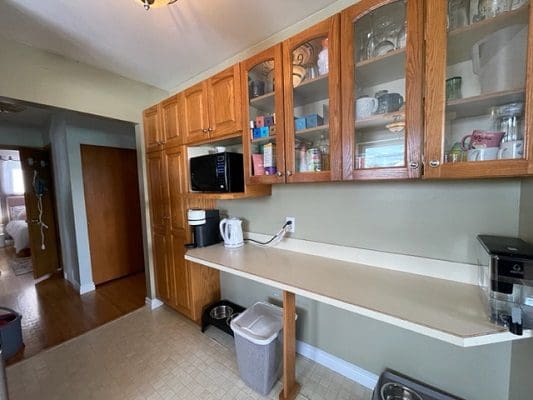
[148, 4]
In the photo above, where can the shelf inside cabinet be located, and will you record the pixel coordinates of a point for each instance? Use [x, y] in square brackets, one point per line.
[381, 69]
[264, 103]
[380, 141]
[312, 134]
[461, 40]
[380, 120]
[263, 139]
[479, 105]
[312, 90]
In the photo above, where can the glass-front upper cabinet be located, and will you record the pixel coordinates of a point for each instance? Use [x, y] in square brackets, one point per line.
[477, 111]
[312, 109]
[264, 140]
[382, 89]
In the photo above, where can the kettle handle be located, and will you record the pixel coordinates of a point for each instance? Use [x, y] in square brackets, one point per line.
[221, 226]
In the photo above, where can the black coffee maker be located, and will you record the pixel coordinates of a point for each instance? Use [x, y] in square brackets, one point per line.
[205, 227]
[506, 277]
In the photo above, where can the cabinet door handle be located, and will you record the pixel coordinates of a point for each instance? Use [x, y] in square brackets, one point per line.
[289, 173]
[279, 173]
[210, 129]
[414, 164]
[434, 163]
[204, 130]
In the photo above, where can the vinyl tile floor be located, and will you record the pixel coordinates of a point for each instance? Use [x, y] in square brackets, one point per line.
[156, 355]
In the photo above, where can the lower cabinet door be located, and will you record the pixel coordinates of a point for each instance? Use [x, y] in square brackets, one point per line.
[163, 279]
[181, 296]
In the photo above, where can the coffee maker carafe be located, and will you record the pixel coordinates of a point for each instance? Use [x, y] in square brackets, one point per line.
[204, 225]
[506, 278]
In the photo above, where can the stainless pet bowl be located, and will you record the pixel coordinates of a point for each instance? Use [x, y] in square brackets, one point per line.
[395, 391]
[221, 312]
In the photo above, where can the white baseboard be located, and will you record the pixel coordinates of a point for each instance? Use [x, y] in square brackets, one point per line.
[154, 303]
[87, 287]
[346, 369]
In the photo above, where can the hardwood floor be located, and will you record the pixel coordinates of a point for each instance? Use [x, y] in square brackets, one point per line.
[53, 312]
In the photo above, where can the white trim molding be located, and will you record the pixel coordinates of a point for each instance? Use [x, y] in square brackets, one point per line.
[154, 303]
[342, 367]
[87, 287]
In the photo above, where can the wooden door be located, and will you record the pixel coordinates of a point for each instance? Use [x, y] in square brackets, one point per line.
[111, 188]
[163, 279]
[382, 139]
[171, 121]
[158, 189]
[152, 129]
[487, 99]
[181, 289]
[315, 97]
[263, 69]
[39, 195]
[225, 107]
[175, 178]
[195, 113]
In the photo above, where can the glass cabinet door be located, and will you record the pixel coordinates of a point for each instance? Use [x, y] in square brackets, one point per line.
[382, 113]
[311, 84]
[263, 139]
[482, 86]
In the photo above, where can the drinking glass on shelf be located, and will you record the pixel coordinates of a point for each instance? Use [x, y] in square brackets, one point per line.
[458, 13]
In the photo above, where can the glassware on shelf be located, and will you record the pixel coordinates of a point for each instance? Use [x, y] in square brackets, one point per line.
[323, 58]
[314, 160]
[458, 13]
[453, 88]
[508, 118]
[323, 146]
[256, 88]
[491, 8]
[401, 37]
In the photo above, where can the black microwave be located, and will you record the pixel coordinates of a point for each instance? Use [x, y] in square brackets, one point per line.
[220, 172]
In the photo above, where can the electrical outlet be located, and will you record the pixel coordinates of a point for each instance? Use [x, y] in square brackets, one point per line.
[292, 227]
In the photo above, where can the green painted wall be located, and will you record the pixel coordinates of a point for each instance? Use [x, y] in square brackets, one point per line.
[429, 219]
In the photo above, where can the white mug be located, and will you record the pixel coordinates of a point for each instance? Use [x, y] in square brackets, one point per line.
[365, 107]
[510, 150]
[483, 154]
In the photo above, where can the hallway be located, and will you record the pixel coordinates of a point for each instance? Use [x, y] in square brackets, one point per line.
[53, 311]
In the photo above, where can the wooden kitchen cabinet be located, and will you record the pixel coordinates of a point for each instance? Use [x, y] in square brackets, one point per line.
[175, 284]
[212, 108]
[479, 93]
[162, 270]
[262, 95]
[171, 126]
[382, 88]
[152, 129]
[311, 79]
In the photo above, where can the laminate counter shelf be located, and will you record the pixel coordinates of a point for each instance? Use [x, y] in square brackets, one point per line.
[449, 311]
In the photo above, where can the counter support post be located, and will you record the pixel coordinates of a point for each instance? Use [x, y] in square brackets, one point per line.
[291, 388]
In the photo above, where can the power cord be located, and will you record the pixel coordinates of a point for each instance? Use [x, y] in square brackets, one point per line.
[274, 239]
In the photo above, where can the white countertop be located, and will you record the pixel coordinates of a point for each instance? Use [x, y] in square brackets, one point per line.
[445, 310]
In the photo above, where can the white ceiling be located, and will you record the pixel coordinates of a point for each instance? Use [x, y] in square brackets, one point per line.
[162, 47]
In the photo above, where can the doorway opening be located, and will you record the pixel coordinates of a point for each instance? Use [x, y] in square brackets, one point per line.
[59, 236]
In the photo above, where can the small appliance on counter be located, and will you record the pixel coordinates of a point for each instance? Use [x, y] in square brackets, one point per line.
[220, 172]
[204, 225]
[395, 386]
[231, 232]
[506, 278]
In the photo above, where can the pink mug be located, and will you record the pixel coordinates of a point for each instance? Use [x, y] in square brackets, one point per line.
[482, 139]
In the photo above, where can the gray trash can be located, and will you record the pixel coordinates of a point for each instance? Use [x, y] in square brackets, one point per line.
[10, 332]
[258, 345]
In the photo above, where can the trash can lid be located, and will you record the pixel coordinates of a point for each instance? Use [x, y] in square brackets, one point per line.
[259, 323]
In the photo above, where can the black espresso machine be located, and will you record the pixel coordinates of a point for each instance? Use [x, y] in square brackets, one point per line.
[506, 278]
[205, 227]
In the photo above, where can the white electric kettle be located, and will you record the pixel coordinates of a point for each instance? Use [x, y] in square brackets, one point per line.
[231, 232]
